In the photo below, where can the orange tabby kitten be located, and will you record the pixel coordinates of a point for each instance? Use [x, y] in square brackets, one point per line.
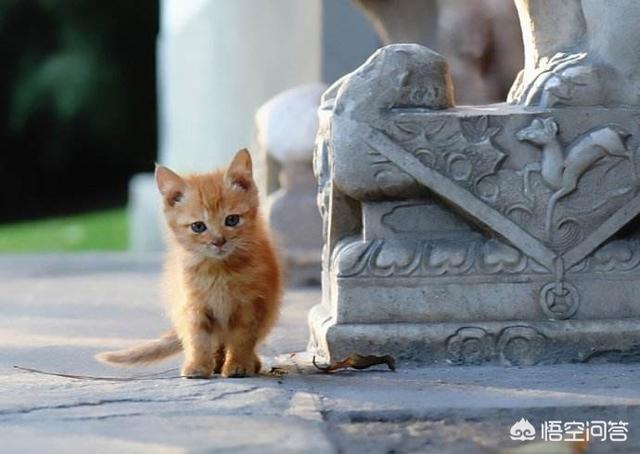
[222, 277]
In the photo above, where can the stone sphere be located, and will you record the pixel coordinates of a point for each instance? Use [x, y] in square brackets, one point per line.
[287, 124]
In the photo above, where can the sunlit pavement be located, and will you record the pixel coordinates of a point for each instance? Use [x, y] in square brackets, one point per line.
[57, 311]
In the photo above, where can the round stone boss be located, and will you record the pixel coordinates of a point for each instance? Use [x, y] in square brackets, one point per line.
[559, 306]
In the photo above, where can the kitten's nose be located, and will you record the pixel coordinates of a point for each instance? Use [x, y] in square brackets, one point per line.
[218, 241]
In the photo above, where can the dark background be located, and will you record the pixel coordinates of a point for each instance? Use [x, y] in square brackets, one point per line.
[77, 103]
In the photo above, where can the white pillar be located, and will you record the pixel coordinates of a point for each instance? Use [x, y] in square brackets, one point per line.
[218, 61]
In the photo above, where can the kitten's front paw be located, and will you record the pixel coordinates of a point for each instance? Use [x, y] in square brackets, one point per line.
[196, 371]
[239, 370]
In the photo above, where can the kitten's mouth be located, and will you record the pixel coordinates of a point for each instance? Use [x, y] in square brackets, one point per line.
[217, 252]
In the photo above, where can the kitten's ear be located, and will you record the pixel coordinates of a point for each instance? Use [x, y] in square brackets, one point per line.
[170, 184]
[240, 171]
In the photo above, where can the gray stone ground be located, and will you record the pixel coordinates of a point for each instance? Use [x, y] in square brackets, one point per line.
[57, 311]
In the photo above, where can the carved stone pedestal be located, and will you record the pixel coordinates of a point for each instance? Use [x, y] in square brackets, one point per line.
[470, 235]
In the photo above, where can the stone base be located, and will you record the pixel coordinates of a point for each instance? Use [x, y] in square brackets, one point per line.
[456, 296]
[470, 235]
[302, 269]
[296, 224]
[474, 343]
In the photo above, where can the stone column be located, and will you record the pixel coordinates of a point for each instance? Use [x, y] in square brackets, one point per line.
[218, 61]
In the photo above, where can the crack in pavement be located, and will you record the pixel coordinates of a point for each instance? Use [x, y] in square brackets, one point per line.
[103, 417]
[327, 426]
[234, 393]
[98, 403]
[398, 416]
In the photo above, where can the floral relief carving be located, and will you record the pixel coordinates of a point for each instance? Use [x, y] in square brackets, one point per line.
[464, 151]
[513, 345]
[521, 346]
[470, 345]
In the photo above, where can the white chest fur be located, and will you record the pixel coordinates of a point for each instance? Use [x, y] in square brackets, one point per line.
[215, 294]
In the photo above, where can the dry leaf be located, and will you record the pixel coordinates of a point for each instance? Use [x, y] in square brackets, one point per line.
[356, 361]
[278, 371]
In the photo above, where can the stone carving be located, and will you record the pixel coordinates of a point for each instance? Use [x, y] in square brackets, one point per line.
[478, 233]
[559, 300]
[561, 173]
[513, 345]
[483, 59]
[287, 125]
[578, 53]
[470, 345]
[469, 256]
[464, 152]
[471, 158]
[385, 258]
[565, 78]
[615, 256]
[521, 345]
[474, 167]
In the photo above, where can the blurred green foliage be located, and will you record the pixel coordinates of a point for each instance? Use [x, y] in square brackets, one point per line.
[98, 231]
[77, 103]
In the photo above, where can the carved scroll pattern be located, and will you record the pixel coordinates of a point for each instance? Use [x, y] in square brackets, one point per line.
[463, 152]
[432, 258]
[513, 345]
[380, 258]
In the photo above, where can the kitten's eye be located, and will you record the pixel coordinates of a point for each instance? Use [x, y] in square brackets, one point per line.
[198, 227]
[232, 220]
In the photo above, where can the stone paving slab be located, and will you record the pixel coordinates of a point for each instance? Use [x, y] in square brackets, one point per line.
[57, 311]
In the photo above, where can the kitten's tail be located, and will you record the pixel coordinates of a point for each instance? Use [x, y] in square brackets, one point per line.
[149, 352]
